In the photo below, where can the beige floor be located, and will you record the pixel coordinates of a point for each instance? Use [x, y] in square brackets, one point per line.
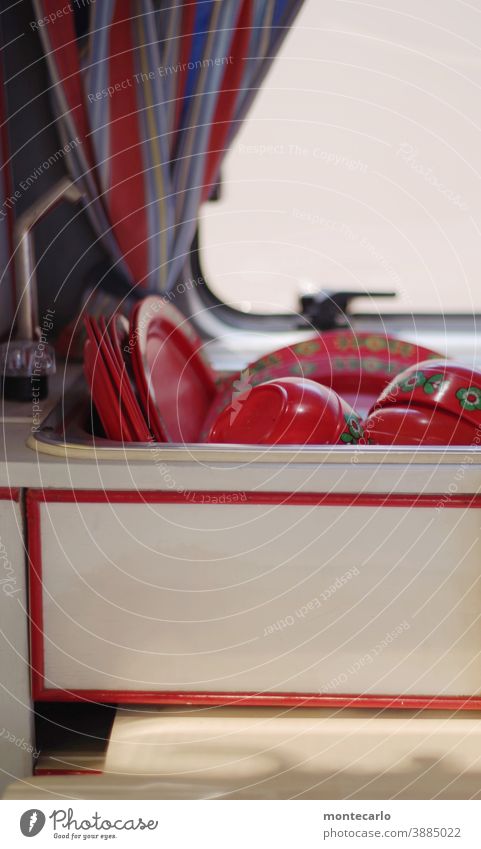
[271, 754]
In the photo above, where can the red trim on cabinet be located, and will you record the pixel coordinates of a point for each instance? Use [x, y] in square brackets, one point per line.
[239, 497]
[146, 697]
[9, 493]
[42, 693]
[35, 594]
[53, 771]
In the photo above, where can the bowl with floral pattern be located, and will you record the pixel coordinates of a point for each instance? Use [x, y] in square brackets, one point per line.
[417, 426]
[440, 384]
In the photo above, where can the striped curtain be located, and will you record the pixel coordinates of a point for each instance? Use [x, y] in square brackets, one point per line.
[8, 199]
[154, 93]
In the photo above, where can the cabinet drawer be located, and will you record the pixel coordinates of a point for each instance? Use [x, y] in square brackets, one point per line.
[266, 597]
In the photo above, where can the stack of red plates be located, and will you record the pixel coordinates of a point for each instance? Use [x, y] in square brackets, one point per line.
[111, 387]
[148, 380]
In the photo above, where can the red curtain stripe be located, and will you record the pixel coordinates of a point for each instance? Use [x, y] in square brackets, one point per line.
[126, 196]
[228, 95]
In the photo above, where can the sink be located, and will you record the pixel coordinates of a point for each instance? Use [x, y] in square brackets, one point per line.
[69, 431]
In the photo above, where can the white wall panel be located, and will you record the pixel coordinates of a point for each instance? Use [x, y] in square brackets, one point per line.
[16, 739]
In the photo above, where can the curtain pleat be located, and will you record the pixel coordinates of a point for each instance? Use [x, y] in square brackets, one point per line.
[155, 92]
[7, 298]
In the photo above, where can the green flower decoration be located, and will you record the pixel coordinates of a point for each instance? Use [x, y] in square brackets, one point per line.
[430, 385]
[307, 349]
[375, 343]
[433, 383]
[346, 341]
[372, 364]
[469, 398]
[302, 369]
[354, 432]
[413, 381]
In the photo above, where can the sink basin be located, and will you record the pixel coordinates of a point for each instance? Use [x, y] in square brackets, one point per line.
[68, 431]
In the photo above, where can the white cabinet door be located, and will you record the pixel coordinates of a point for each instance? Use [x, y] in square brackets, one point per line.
[150, 595]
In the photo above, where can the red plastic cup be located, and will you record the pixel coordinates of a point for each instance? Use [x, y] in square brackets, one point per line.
[287, 411]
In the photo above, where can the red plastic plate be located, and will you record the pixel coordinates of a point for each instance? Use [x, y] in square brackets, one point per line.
[176, 386]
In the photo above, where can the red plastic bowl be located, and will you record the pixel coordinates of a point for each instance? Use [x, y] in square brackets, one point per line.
[411, 426]
[287, 411]
[438, 385]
